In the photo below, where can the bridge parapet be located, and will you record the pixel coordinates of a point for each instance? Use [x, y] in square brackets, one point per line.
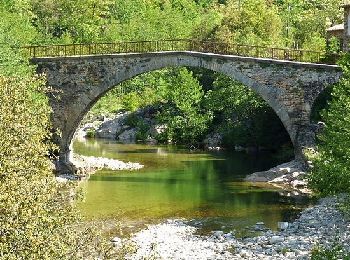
[181, 45]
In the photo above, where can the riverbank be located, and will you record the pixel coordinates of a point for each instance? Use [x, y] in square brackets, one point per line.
[86, 165]
[290, 175]
[320, 226]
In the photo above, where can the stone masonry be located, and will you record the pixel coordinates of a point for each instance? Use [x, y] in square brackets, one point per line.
[77, 83]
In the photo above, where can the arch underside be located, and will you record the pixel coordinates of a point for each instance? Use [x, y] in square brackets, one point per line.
[263, 91]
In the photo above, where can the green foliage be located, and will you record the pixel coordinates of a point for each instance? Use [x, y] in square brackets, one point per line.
[142, 131]
[331, 173]
[135, 121]
[306, 21]
[91, 133]
[244, 117]
[70, 21]
[320, 104]
[110, 103]
[334, 45]
[35, 219]
[182, 112]
[251, 22]
[335, 252]
[15, 31]
[131, 120]
[153, 19]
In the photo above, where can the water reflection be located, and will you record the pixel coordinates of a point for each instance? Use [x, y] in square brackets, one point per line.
[178, 183]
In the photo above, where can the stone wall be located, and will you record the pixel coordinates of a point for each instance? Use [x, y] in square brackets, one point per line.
[290, 88]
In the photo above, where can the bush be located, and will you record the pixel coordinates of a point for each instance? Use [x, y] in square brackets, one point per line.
[36, 219]
[142, 131]
[331, 173]
[335, 252]
[91, 133]
[182, 112]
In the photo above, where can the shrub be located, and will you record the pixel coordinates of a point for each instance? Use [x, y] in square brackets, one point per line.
[91, 133]
[331, 172]
[36, 219]
[335, 252]
[142, 131]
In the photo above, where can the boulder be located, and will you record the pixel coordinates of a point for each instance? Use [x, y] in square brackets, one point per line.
[290, 174]
[110, 127]
[157, 129]
[276, 239]
[213, 141]
[128, 136]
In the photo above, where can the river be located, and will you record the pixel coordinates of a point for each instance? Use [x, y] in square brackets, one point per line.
[205, 188]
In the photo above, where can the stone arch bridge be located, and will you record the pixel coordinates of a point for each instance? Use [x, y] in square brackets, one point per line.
[78, 80]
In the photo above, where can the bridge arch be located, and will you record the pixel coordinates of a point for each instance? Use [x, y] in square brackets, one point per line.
[79, 82]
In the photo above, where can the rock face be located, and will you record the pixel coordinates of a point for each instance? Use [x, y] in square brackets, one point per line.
[157, 129]
[213, 141]
[291, 174]
[125, 126]
[111, 126]
[128, 136]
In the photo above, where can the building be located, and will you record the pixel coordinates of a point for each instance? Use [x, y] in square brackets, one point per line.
[342, 31]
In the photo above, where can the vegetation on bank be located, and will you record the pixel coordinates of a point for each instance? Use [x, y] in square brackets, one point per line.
[37, 220]
[331, 172]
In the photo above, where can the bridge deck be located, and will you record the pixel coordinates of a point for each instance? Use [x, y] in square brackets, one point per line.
[181, 45]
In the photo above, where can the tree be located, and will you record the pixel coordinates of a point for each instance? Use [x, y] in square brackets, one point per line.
[331, 172]
[249, 22]
[181, 111]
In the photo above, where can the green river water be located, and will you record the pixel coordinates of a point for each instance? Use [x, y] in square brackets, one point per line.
[205, 188]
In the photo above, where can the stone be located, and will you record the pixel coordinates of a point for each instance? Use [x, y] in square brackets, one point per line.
[213, 141]
[158, 129]
[290, 174]
[276, 239]
[110, 127]
[128, 136]
[282, 225]
[61, 179]
[218, 233]
[289, 87]
[259, 226]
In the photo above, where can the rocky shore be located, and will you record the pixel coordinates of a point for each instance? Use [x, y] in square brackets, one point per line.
[85, 165]
[319, 226]
[290, 175]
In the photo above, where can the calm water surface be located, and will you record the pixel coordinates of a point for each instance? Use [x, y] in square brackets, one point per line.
[203, 187]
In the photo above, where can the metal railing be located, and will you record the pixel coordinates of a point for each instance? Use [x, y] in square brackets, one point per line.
[178, 45]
